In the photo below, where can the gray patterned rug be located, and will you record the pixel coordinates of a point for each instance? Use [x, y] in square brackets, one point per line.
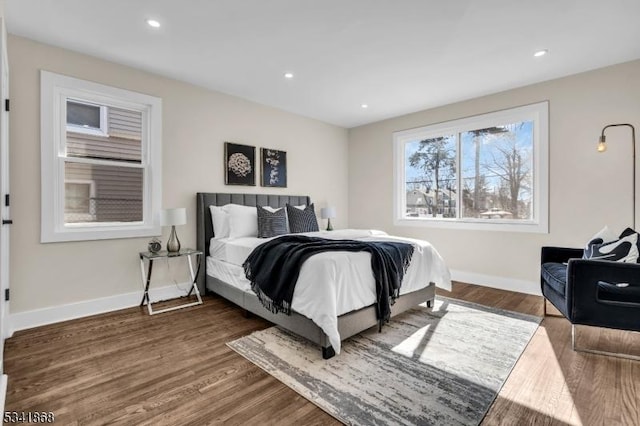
[426, 368]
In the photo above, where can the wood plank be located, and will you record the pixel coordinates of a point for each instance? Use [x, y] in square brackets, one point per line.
[127, 368]
[552, 384]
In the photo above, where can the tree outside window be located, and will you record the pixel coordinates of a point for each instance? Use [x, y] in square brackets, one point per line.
[484, 169]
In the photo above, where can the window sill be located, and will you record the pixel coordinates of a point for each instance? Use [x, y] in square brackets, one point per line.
[82, 232]
[475, 225]
[87, 131]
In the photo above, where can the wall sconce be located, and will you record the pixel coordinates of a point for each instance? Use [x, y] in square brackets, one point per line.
[602, 147]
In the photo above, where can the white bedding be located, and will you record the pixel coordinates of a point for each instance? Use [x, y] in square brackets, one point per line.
[234, 250]
[342, 280]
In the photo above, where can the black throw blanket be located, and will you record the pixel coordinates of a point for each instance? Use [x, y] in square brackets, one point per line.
[273, 268]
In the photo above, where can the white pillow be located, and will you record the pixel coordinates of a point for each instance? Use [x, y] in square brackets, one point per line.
[271, 209]
[243, 220]
[237, 208]
[220, 221]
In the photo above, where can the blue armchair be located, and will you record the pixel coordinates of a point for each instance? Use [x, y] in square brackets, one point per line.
[596, 293]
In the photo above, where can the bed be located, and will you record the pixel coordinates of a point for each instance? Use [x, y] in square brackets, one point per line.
[224, 276]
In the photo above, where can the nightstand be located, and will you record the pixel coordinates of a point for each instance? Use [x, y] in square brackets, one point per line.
[187, 254]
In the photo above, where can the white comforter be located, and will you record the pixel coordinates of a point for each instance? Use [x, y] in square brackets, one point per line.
[334, 283]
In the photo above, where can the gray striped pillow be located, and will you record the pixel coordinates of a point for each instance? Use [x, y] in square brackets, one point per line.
[302, 220]
[271, 223]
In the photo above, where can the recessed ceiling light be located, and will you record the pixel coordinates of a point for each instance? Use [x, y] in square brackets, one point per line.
[153, 23]
[288, 75]
[364, 106]
[541, 53]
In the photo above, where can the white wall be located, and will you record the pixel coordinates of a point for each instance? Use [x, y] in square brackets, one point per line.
[196, 123]
[587, 189]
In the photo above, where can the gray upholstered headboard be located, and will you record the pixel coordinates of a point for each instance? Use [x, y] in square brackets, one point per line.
[203, 216]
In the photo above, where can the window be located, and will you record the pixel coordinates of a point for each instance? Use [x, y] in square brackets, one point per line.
[101, 159]
[485, 172]
[86, 118]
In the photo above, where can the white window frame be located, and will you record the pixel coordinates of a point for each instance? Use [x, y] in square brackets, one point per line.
[103, 130]
[55, 89]
[538, 113]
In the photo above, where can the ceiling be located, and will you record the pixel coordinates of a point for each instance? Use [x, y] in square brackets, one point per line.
[396, 56]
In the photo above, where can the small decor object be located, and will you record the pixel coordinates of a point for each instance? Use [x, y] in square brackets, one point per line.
[328, 213]
[155, 245]
[173, 217]
[274, 168]
[239, 164]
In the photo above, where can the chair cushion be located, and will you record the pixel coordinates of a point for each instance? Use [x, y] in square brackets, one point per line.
[555, 275]
[611, 292]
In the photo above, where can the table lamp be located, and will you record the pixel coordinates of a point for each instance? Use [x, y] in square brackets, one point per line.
[173, 217]
[328, 213]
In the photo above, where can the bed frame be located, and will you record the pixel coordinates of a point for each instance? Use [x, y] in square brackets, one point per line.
[349, 324]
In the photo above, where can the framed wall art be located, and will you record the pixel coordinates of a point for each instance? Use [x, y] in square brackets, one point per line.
[239, 164]
[274, 168]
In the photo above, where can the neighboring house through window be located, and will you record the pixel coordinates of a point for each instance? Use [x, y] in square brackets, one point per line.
[100, 161]
[79, 206]
[486, 172]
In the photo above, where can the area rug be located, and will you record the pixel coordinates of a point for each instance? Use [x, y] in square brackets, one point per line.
[440, 367]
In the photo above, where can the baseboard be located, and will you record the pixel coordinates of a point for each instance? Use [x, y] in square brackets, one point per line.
[6, 327]
[35, 318]
[3, 391]
[502, 283]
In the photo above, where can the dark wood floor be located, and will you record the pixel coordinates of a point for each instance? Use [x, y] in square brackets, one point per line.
[128, 368]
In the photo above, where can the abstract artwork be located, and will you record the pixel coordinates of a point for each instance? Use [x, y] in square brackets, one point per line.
[274, 168]
[239, 164]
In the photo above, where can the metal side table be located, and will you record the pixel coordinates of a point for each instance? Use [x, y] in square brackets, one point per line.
[146, 275]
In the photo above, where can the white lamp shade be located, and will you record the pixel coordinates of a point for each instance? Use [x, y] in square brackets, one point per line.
[169, 217]
[327, 212]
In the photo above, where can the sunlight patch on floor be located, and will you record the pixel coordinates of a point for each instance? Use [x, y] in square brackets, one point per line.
[543, 371]
[412, 343]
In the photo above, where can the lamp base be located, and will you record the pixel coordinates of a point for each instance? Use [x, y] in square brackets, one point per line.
[173, 245]
[329, 227]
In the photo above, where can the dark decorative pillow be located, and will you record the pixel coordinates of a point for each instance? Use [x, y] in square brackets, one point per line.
[302, 220]
[271, 223]
[624, 249]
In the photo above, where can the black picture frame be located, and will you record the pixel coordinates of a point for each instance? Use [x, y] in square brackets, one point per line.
[274, 168]
[239, 164]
